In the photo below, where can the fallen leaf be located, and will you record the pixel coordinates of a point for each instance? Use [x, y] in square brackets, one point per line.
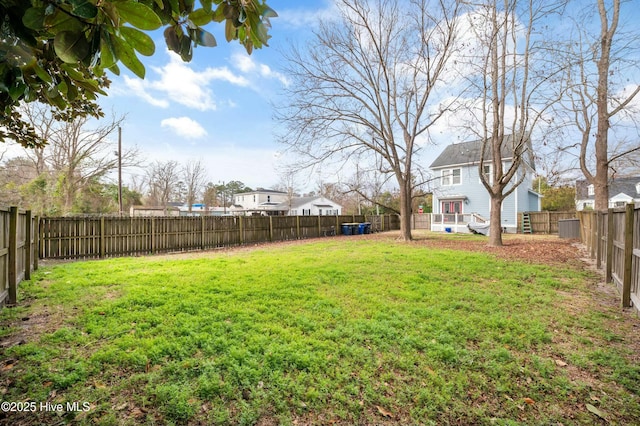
[7, 367]
[137, 412]
[121, 407]
[560, 363]
[47, 384]
[594, 398]
[595, 411]
[529, 401]
[384, 412]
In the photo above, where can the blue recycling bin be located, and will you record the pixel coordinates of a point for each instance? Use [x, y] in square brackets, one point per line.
[364, 228]
[346, 229]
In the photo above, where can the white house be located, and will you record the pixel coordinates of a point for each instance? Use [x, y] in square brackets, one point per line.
[267, 202]
[262, 202]
[313, 206]
[622, 190]
[459, 195]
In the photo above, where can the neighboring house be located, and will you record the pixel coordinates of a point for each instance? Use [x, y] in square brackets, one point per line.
[458, 188]
[267, 202]
[262, 202]
[622, 190]
[312, 206]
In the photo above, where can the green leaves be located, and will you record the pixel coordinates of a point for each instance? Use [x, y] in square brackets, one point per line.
[124, 52]
[57, 50]
[71, 46]
[83, 9]
[138, 40]
[138, 15]
[34, 18]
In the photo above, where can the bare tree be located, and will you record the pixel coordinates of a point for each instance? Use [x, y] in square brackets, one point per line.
[510, 82]
[77, 155]
[599, 94]
[163, 179]
[368, 83]
[194, 177]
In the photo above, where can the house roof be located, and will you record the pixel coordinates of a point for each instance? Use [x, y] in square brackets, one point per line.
[620, 185]
[296, 202]
[469, 153]
[262, 191]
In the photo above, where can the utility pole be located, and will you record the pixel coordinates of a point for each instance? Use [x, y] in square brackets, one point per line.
[120, 170]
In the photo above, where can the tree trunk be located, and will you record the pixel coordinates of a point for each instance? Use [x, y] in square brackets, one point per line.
[495, 222]
[405, 210]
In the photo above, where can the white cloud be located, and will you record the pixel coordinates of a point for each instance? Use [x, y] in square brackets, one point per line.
[248, 65]
[181, 84]
[185, 127]
[137, 87]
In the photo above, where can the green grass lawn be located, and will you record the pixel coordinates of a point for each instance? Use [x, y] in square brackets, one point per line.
[333, 331]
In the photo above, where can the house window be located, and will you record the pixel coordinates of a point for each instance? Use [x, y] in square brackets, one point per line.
[254, 198]
[451, 177]
[591, 191]
[488, 173]
[268, 198]
[306, 212]
[450, 207]
[294, 212]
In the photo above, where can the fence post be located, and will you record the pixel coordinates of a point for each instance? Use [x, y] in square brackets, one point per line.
[13, 256]
[102, 239]
[594, 229]
[201, 232]
[628, 256]
[271, 228]
[608, 273]
[27, 246]
[599, 226]
[297, 227]
[36, 241]
[548, 223]
[319, 227]
[153, 235]
[241, 235]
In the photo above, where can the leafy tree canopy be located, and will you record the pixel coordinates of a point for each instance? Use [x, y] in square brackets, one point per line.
[56, 51]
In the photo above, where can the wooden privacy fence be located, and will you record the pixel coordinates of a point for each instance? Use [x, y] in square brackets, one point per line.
[100, 237]
[613, 239]
[17, 251]
[545, 222]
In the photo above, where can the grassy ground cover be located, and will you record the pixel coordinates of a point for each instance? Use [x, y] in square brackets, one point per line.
[333, 331]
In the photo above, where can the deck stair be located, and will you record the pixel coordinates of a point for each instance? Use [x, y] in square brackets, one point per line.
[526, 224]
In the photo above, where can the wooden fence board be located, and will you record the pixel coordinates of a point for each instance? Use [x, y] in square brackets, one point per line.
[17, 251]
[77, 238]
[616, 231]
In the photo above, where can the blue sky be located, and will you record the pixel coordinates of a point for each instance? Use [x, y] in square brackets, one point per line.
[217, 108]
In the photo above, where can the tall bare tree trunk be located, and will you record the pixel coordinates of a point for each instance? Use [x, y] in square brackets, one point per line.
[405, 210]
[495, 226]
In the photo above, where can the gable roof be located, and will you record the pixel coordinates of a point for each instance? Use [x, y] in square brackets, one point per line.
[464, 153]
[297, 202]
[262, 191]
[618, 185]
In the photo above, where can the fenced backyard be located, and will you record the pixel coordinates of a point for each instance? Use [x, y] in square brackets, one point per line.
[102, 237]
[18, 251]
[25, 239]
[613, 241]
